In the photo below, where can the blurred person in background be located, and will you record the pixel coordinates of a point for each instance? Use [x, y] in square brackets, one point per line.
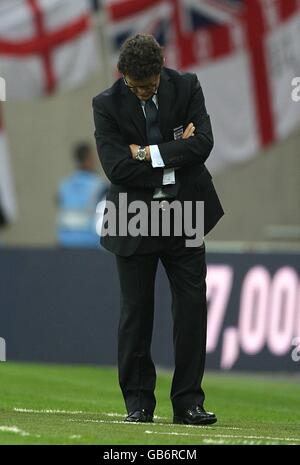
[78, 197]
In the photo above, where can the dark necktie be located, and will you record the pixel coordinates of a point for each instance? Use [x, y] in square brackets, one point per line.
[154, 137]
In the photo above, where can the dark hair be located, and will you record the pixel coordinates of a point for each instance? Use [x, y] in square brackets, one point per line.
[81, 152]
[140, 57]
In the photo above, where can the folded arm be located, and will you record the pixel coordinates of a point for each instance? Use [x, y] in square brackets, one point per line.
[191, 150]
[115, 155]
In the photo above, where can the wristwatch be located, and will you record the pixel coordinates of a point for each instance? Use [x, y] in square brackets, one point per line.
[141, 154]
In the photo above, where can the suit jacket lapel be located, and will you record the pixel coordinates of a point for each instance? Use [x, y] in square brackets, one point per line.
[166, 98]
[134, 112]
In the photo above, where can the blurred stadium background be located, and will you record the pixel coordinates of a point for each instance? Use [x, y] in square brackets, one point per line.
[60, 305]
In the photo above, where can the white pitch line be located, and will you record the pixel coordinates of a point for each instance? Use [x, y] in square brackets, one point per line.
[128, 423]
[244, 442]
[230, 436]
[122, 415]
[76, 412]
[112, 414]
[171, 425]
[119, 415]
[212, 441]
[13, 429]
[70, 412]
[105, 421]
[28, 410]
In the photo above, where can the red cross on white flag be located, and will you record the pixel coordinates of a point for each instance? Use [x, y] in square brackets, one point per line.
[45, 46]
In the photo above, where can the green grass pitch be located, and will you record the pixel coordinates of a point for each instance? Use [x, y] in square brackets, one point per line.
[57, 404]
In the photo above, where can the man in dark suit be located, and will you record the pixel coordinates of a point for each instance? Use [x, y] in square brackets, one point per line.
[153, 137]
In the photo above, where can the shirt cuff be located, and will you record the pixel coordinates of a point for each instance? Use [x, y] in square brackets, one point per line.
[156, 158]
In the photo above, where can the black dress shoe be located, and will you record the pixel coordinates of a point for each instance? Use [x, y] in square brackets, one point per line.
[139, 416]
[195, 415]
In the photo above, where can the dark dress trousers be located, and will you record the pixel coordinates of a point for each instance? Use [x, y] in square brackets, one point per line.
[120, 121]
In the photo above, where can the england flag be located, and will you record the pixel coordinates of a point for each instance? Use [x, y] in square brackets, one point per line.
[45, 46]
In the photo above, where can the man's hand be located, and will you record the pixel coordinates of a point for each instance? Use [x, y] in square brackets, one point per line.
[134, 149]
[189, 131]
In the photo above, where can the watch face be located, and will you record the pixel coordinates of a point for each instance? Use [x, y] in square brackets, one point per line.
[141, 154]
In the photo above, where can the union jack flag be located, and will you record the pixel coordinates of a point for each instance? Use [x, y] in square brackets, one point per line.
[193, 31]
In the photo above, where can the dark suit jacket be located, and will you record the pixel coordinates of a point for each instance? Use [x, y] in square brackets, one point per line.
[119, 121]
